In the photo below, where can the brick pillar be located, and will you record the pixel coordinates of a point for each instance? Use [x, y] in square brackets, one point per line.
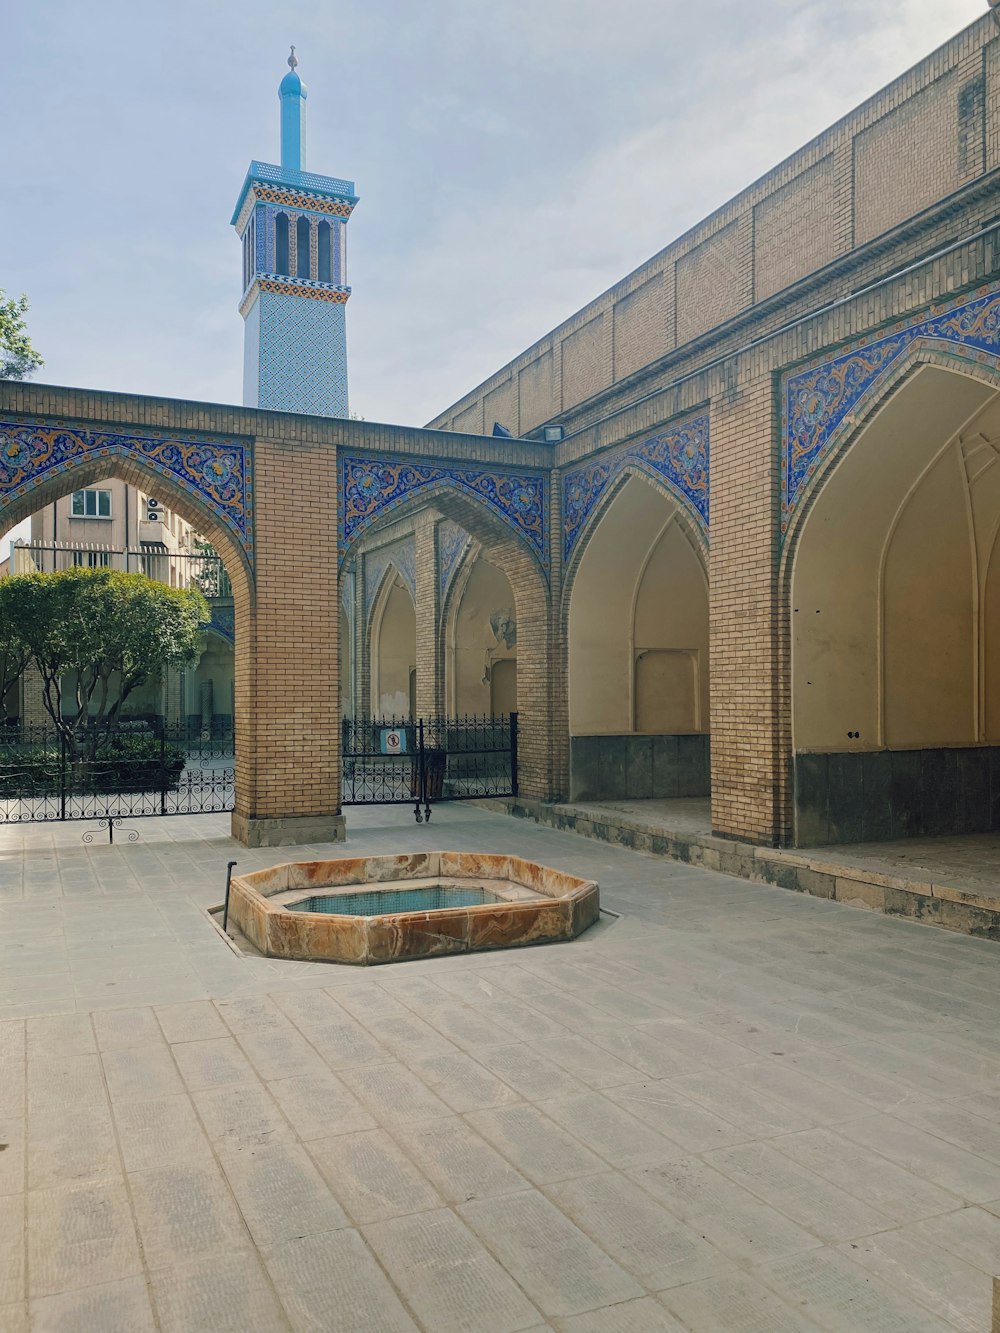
[430, 663]
[362, 645]
[750, 729]
[287, 698]
[33, 712]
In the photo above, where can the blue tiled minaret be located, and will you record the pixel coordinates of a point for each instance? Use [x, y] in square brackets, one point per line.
[293, 225]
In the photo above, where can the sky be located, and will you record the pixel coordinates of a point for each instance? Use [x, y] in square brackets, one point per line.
[513, 159]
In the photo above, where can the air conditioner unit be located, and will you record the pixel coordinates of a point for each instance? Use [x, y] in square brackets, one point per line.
[153, 512]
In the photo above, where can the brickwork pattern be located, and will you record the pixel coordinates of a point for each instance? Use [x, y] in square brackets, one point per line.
[584, 368]
[795, 229]
[640, 327]
[708, 284]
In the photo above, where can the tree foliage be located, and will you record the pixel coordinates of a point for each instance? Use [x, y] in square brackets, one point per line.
[17, 356]
[96, 635]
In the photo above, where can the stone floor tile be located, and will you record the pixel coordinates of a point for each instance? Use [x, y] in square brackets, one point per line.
[118, 1028]
[246, 1012]
[14, 1318]
[319, 1105]
[735, 1221]
[407, 1036]
[333, 1276]
[609, 1130]
[736, 1303]
[966, 1175]
[308, 1008]
[559, 1268]
[241, 1113]
[808, 1199]
[462, 1082]
[12, 1154]
[141, 1073]
[635, 1230]
[67, 1081]
[185, 1212]
[196, 1020]
[212, 1063]
[459, 1163]
[70, 1147]
[449, 1280]
[279, 1192]
[587, 1062]
[164, 1132]
[973, 1234]
[641, 1316]
[868, 1176]
[394, 1093]
[12, 1273]
[211, 1296]
[280, 1053]
[371, 1176]
[757, 1115]
[543, 1150]
[661, 1106]
[344, 1045]
[528, 1072]
[839, 1294]
[114, 1307]
[929, 1275]
[80, 1236]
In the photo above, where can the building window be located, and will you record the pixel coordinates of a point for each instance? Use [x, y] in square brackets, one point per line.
[91, 504]
[281, 243]
[92, 559]
[302, 245]
[323, 245]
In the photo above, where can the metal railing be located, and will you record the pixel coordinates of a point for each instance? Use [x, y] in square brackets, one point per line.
[137, 768]
[393, 761]
[179, 569]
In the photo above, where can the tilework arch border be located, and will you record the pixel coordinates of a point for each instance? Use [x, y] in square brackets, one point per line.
[676, 459]
[375, 489]
[825, 403]
[216, 476]
[631, 469]
[852, 428]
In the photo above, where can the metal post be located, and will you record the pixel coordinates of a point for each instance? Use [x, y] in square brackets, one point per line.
[421, 771]
[513, 754]
[62, 776]
[225, 906]
[163, 765]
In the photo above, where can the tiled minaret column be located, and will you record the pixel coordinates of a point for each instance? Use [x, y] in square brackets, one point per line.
[430, 666]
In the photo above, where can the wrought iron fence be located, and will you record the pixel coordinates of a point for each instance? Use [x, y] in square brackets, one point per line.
[393, 761]
[133, 769]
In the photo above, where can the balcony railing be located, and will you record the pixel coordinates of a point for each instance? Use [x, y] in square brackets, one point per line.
[178, 569]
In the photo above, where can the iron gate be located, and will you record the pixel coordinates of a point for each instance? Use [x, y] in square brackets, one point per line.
[393, 761]
[134, 769]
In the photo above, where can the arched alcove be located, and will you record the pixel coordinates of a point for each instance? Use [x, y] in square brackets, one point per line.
[638, 652]
[393, 649]
[481, 642]
[895, 590]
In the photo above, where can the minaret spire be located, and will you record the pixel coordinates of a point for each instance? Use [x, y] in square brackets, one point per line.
[292, 95]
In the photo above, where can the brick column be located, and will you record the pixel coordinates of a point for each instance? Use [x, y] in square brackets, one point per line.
[287, 704]
[430, 664]
[362, 646]
[750, 730]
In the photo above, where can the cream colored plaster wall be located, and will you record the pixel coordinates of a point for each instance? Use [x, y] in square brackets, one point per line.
[894, 595]
[476, 653]
[395, 654]
[640, 594]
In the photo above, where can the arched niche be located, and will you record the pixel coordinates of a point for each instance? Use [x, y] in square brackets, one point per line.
[393, 649]
[894, 595]
[638, 652]
[481, 641]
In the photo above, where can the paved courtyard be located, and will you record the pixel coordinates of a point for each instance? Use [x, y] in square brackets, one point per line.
[734, 1108]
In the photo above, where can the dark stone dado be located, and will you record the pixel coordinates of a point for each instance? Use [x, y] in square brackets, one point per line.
[886, 794]
[639, 768]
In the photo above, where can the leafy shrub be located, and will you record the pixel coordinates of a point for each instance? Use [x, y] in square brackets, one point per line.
[120, 763]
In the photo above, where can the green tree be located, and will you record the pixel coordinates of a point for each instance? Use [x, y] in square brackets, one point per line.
[17, 356]
[96, 635]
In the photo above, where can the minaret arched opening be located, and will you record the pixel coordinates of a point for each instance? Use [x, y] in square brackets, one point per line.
[324, 248]
[302, 248]
[281, 243]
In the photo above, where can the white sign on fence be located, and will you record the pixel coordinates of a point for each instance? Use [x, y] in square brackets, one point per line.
[393, 741]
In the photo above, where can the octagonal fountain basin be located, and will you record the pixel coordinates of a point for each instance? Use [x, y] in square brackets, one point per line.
[382, 909]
